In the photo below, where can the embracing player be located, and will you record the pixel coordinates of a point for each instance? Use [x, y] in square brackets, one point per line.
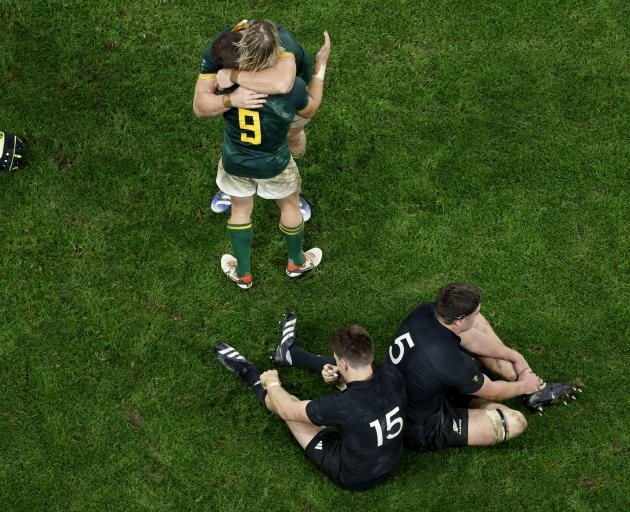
[255, 155]
[221, 64]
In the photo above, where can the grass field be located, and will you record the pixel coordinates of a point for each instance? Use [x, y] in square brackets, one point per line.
[479, 141]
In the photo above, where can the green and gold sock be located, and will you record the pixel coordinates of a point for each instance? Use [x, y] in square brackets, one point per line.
[241, 237]
[294, 238]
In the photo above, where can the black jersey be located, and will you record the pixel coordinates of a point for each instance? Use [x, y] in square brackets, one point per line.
[370, 417]
[432, 362]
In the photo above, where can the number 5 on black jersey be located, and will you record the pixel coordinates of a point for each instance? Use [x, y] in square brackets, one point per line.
[401, 347]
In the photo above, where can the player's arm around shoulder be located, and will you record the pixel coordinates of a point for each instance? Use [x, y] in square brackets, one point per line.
[316, 85]
[280, 402]
[206, 102]
[278, 79]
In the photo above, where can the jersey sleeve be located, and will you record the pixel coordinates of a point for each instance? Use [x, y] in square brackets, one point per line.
[288, 42]
[208, 69]
[323, 412]
[464, 375]
[299, 94]
[290, 47]
[305, 68]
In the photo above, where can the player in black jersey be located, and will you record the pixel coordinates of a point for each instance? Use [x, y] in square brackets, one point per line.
[366, 443]
[451, 402]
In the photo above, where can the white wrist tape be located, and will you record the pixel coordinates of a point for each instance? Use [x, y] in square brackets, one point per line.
[272, 384]
[320, 74]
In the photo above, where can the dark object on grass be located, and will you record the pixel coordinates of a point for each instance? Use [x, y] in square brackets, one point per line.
[12, 152]
[553, 393]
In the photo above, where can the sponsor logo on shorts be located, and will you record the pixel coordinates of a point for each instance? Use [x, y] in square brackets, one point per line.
[319, 446]
[457, 426]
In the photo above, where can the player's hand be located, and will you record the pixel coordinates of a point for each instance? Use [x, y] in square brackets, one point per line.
[223, 78]
[530, 382]
[244, 98]
[268, 377]
[330, 374]
[520, 365]
[324, 51]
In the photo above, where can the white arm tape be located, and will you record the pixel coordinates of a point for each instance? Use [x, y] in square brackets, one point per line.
[320, 74]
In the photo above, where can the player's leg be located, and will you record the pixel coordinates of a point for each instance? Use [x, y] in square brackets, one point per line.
[241, 235]
[242, 210]
[290, 216]
[241, 191]
[232, 360]
[297, 143]
[500, 367]
[221, 201]
[303, 432]
[284, 189]
[492, 423]
[551, 392]
[292, 228]
[288, 353]
[297, 146]
[323, 450]
[297, 138]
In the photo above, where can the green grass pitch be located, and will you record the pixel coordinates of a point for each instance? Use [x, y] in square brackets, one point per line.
[482, 141]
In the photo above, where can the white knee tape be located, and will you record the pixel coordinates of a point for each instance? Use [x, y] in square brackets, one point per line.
[499, 425]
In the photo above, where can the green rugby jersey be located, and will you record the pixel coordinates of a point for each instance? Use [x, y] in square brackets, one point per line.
[255, 143]
[303, 62]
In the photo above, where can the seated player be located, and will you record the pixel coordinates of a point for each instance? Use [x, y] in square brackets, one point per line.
[356, 436]
[451, 402]
[276, 80]
[255, 156]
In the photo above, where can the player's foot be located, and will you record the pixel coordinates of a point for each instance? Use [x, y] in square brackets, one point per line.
[306, 207]
[228, 265]
[229, 357]
[220, 202]
[286, 339]
[312, 258]
[552, 393]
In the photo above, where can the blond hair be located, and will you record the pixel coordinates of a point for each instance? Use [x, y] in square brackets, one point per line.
[259, 46]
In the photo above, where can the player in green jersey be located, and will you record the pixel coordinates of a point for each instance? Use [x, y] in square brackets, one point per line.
[277, 80]
[304, 69]
[256, 156]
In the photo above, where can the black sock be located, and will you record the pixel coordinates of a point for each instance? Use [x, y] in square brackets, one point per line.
[252, 376]
[311, 362]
